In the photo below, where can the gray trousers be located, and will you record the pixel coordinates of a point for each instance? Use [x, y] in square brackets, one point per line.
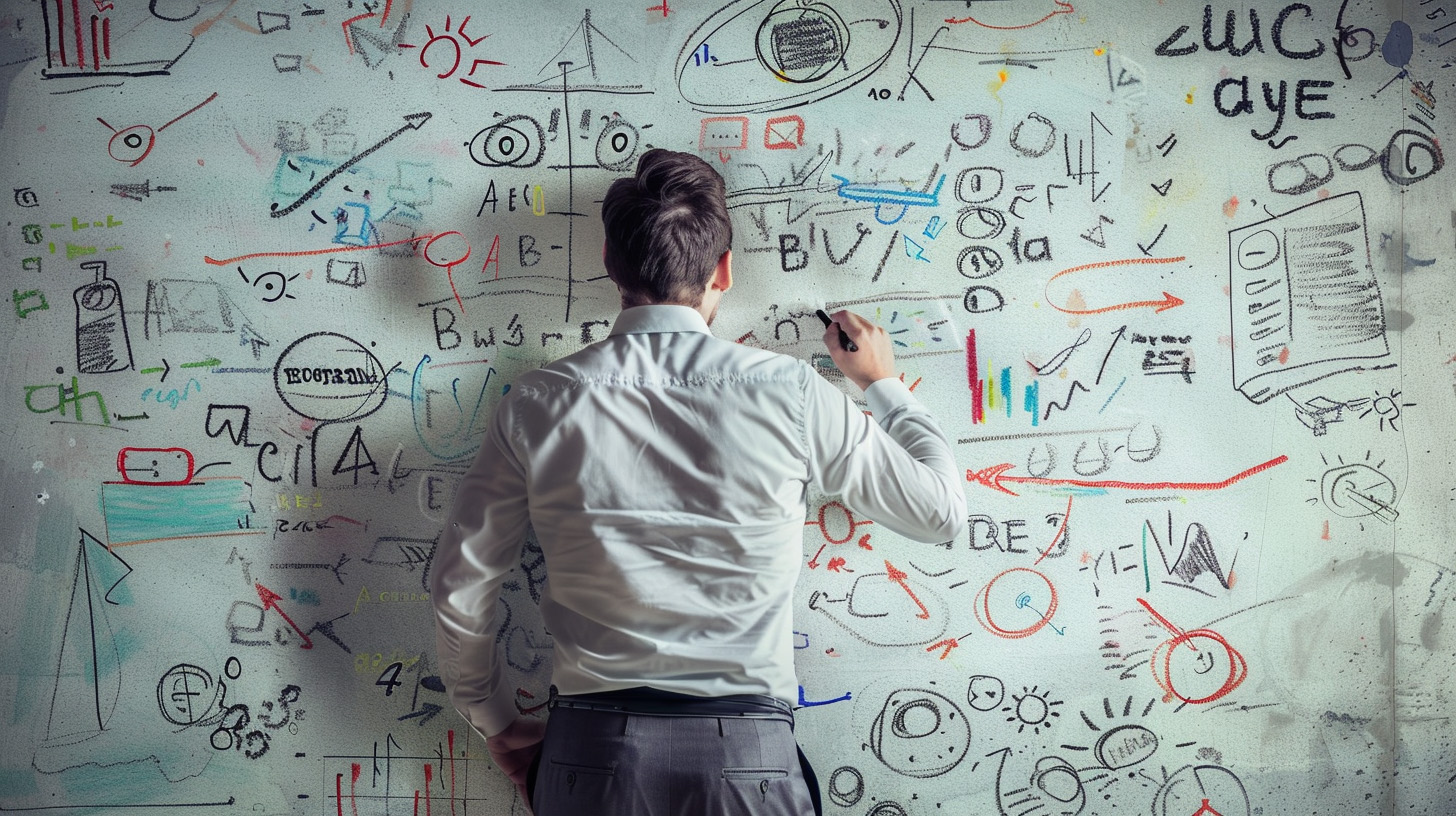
[608, 763]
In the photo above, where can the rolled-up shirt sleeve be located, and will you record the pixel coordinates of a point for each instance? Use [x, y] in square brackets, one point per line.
[480, 545]
[897, 468]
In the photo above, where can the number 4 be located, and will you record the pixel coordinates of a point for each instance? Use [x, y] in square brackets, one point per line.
[389, 678]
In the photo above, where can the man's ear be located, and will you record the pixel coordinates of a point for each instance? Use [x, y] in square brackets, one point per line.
[723, 272]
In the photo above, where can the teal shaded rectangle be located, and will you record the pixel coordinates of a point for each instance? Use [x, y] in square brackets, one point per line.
[137, 513]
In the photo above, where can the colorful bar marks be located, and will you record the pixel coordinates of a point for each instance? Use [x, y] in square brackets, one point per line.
[978, 410]
[994, 389]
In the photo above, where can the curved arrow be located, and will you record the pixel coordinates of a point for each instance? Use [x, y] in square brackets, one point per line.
[993, 476]
[1164, 303]
[412, 121]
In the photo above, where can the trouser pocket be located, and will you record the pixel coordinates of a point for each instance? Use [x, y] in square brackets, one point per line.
[756, 785]
[575, 782]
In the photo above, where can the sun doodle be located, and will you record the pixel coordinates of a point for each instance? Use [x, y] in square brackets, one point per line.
[1031, 709]
[448, 45]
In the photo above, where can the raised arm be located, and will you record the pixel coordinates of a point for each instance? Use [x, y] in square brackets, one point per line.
[897, 469]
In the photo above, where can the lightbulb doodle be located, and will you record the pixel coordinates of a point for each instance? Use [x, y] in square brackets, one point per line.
[1357, 490]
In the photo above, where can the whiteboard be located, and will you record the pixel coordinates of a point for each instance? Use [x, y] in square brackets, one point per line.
[1175, 278]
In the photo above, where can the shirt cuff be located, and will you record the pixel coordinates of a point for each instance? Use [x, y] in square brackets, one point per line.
[887, 394]
[493, 715]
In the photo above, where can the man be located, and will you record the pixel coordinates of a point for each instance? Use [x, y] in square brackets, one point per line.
[665, 472]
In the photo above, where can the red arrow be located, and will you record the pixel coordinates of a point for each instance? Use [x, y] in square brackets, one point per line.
[270, 600]
[948, 643]
[814, 562]
[993, 476]
[899, 577]
[1163, 304]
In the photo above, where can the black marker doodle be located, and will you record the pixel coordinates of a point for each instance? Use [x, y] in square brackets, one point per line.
[920, 733]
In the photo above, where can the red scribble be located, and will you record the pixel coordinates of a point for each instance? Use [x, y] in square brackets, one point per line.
[449, 264]
[982, 607]
[1238, 668]
[1062, 8]
[1325, 534]
[428, 778]
[127, 479]
[339, 792]
[1167, 624]
[80, 51]
[449, 37]
[1206, 810]
[948, 643]
[1162, 304]
[347, 39]
[993, 476]
[270, 600]
[188, 111]
[742, 135]
[662, 8]
[978, 388]
[1062, 528]
[773, 139]
[849, 517]
[304, 252]
[520, 692]
[814, 562]
[837, 564]
[899, 577]
[354, 770]
[450, 741]
[1162, 660]
[492, 257]
[462, 362]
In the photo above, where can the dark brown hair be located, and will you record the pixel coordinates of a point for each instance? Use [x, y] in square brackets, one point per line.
[665, 227]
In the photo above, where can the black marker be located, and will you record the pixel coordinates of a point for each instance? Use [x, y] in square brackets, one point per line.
[844, 341]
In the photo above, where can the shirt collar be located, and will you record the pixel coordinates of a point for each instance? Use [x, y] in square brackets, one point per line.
[662, 317]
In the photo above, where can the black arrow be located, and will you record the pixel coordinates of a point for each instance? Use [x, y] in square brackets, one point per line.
[412, 121]
[425, 714]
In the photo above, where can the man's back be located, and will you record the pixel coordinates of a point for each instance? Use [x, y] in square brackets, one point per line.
[667, 473]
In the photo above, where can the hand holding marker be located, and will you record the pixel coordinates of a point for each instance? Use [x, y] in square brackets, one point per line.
[844, 341]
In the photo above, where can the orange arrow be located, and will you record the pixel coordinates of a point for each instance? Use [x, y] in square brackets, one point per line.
[899, 577]
[948, 643]
[270, 600]
[993, 476]
[1163, 304]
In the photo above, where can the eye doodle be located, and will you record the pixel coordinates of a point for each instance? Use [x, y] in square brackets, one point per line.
[272, 285]
[617, 145]
[131, 145]
[515, 141]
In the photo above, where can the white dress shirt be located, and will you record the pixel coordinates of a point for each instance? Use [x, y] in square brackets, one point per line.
[666, 472]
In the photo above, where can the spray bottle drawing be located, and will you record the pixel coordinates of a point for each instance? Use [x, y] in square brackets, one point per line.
[102, 345]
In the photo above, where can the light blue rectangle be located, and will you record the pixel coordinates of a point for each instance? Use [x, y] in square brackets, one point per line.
[136, 513]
